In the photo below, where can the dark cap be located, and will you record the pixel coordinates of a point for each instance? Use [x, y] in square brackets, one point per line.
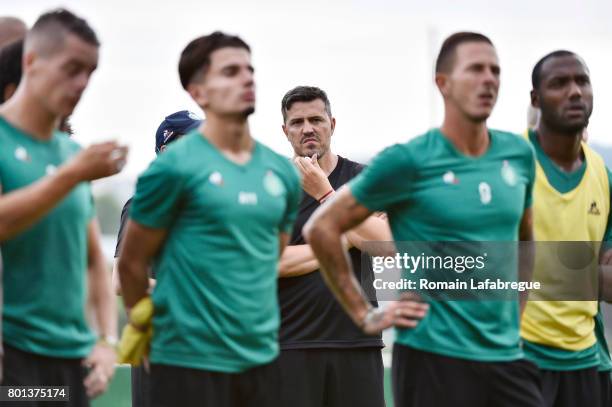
[173, 126]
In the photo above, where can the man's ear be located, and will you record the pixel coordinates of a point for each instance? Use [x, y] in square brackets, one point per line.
[198, 94]
[333, 125]
[442, 83]
[285, 131]
[535, 98]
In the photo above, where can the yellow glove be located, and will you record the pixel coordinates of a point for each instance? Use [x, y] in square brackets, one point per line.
[137, 334]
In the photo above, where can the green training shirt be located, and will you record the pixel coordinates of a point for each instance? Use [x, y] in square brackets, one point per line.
[45, 267]
[215, 300]
[432, 192]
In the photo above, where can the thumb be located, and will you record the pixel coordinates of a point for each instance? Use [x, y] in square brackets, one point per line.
[315, 160]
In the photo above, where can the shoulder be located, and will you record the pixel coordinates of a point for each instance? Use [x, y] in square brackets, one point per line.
[410, 154]
[278, 162]
[351, 167]
[512, 140]
[64, 140]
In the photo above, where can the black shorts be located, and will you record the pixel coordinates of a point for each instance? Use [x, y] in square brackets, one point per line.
[571, 388]
[28, 369]
[332, 378]
[423, 379]
[141, 387]
[605, 388]
[173, 386]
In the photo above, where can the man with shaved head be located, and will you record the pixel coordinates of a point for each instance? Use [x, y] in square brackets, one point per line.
[48, 246]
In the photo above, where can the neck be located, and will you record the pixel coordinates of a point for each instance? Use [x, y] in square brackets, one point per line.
[328, 162]
[231, 134]
[24, 112]
[469, 137]
[564, 149]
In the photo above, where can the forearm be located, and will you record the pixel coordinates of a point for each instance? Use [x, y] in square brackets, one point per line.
[373, 229]
[21, 208]
[336, 269]
[296, 261]
[133, 279]
[103, 298]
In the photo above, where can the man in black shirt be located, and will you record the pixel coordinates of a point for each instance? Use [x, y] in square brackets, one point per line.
[171, 129]
[326, 360]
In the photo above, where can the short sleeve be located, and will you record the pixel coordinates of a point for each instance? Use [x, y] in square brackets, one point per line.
[294, 194]
[386, 181]
[158, 195]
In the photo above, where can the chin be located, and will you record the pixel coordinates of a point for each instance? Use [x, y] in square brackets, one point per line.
[248, 111]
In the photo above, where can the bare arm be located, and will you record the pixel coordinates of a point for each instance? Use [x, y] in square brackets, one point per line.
[140, 245]
[323, 232]
[526, 254]
[117, 283]
[22, 208]
[605, 276]
[102, 359]
[100, 285]
[373, 229]
[296, 261]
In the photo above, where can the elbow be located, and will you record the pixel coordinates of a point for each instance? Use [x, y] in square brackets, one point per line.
[313, 229]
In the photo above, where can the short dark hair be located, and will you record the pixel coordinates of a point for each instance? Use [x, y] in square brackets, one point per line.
[54, 24]
[10, 66]
[446, 57]
[304, 94]
[195, 58]
[536, 74]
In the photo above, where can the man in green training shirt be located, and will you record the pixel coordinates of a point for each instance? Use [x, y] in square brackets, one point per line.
[461, 182]
[212, 214]
[51, 242]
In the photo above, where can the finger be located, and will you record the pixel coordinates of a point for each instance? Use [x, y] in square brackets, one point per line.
[410, 312]
[410, 296]
[96, 382]
[405, 323]
[299, 164]
[314, 160]
[307, 162]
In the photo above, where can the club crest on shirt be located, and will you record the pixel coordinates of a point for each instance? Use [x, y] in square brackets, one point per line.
[272, 184]
[216, 178]
[508, 174]
[484, 190]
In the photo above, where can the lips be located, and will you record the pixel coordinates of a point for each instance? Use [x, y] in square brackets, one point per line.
[309, 140]
[485, 97]
[249, 96]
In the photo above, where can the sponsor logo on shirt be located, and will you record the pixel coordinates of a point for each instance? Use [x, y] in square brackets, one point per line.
[247, 198]
[593, 209]
[484, 190]
[450, 178]
[216, 178]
